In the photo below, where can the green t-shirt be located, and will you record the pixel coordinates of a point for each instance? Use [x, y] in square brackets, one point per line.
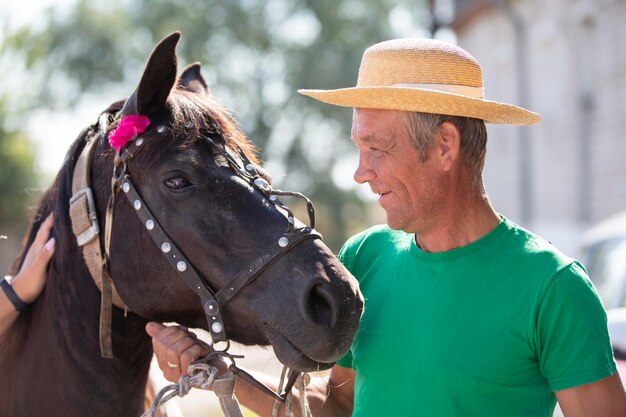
[488, 329]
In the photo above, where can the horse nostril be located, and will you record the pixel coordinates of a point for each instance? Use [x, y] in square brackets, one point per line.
[321, 307]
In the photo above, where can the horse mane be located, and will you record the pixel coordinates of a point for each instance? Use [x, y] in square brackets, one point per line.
[53, 200]
[186, 107]
[193, 114]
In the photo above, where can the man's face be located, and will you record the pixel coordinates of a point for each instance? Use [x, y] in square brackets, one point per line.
[407, 187]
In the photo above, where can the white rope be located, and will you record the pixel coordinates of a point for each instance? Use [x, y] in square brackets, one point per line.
[203, 376]
[301, 383]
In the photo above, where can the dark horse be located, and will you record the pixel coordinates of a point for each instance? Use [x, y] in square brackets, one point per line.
[305, 304]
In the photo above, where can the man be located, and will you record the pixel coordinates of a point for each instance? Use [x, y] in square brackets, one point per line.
[466, 313]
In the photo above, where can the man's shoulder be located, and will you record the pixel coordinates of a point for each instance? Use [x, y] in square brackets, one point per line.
[533, 250]
[375, 235]
[373, 241]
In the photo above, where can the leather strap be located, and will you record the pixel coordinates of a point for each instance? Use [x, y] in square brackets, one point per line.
[85, 221]
[17, 302]
[275, 251]
[87, 232]
[177, 260]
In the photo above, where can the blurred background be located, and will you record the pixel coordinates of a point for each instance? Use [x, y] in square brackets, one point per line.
[63, 61]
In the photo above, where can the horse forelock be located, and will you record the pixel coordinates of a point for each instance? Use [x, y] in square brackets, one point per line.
[205, 113]
[189, 115]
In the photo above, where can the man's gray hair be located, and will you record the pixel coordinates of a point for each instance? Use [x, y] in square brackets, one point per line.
[423, 126]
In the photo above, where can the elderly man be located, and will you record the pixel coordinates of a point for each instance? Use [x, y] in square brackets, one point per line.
[467, 314]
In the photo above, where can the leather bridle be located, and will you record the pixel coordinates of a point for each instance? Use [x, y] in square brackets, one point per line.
[85, 225]
[214, 301]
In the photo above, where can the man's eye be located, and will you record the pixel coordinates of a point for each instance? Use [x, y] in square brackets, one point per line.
[177, 183]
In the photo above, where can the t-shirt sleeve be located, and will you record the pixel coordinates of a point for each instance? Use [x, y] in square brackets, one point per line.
[347, 252]
[573, 342]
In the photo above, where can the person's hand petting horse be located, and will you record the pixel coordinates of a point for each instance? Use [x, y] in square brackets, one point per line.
[17, 293]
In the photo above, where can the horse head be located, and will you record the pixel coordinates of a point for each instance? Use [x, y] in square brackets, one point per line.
[219, 219]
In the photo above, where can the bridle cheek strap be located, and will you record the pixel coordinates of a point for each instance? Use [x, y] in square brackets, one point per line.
[175, 257]
[87, 232]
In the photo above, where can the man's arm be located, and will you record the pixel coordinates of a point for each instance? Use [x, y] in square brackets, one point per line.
[604, 398]
[334, 398]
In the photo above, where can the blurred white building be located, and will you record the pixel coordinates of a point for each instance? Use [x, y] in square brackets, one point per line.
[565, 59]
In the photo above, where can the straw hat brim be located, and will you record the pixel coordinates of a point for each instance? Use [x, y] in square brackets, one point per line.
[425, 101]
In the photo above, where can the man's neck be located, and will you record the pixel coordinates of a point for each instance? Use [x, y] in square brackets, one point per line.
[459, 224]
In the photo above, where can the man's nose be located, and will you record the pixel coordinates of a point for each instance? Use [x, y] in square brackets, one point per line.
[363, 172]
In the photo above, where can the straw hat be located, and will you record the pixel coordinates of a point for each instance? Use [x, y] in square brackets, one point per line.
[423, 75]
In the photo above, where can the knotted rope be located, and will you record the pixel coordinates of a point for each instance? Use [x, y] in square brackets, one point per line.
[204, 376]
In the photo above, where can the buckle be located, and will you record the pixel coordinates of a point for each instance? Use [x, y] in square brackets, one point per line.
[93, 230]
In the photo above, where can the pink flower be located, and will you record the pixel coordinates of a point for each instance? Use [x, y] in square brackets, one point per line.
[127, 129]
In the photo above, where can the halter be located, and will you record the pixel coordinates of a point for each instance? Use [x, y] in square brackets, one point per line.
[85, 225]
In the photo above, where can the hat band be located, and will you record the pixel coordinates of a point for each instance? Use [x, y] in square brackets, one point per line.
[464, 90]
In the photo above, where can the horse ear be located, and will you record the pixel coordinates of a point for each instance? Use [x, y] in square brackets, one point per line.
[157, 80]
[192, 80]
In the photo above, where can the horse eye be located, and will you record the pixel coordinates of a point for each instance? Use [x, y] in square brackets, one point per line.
[177, 183]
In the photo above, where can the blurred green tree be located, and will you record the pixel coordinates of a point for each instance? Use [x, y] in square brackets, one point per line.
[255, 53]
[18, 186]
[17, 173]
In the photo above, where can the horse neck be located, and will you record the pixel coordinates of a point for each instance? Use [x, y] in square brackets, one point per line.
[62, 344]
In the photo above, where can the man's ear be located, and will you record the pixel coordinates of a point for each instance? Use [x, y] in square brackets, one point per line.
[448, 145]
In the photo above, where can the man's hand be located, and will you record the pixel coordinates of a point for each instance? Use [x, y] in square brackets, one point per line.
[176, 348]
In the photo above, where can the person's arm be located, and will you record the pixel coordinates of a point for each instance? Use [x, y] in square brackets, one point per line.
[334, 398]
[30, 280]
[176, 348]
[604, 398]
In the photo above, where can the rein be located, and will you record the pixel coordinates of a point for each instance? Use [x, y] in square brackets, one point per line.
[85, 226]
